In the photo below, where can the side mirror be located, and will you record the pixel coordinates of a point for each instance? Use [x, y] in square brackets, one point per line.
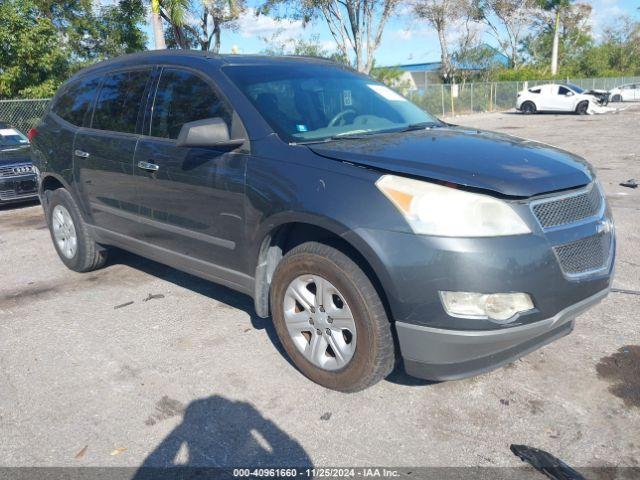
[569, 94]
[210, 132]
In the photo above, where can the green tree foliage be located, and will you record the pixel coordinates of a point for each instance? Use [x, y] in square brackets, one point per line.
[120, 31]
[32, 60]
[616, 53]
[574, 37]
[42, 42]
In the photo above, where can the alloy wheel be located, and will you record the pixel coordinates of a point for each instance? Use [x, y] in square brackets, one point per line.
[320, 322]
[64, 231]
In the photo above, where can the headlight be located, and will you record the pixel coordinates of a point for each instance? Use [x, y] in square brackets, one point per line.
[496, 306]
[434, 209]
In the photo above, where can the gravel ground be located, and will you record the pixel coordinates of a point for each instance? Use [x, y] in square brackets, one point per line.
[194, 377]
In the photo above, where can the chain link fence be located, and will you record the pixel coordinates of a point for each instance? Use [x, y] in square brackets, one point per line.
[22, 114]
[440, 99]
[448, 100]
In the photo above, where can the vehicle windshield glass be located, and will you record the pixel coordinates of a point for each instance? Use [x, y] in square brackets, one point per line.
[9, 137]
[575, 88]
[310, 102]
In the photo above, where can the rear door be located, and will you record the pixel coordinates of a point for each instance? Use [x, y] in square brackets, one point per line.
[548, 98]
[103, 153]
[192, 199]
[70, 111]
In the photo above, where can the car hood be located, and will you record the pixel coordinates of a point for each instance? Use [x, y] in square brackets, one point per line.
[496, 162]
[11, 155]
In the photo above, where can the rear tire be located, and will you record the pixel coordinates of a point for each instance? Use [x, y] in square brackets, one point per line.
[306, 319]
[70, 234]
[617, 98]
[582, 108]
[528, 108]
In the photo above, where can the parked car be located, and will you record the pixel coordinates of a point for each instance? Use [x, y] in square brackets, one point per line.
[365, 227]
[559, 98]
[626, 93]
[17, 175]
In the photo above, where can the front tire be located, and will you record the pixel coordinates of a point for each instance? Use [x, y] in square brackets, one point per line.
[330, 319]
[617, 98]
[528, 108]
[70, 234]
[582, 108]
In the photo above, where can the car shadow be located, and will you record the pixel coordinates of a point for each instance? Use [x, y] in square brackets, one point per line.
[399, 377]
[212, 290]
[234, 299]
[217, 432]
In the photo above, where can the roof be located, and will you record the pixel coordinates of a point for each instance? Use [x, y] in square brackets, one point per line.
[420, 67]
[221, 59]
[159, 56]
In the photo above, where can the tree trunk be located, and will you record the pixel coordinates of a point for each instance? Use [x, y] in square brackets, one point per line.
[556, 40]
[156, 22]
[444, 53]
[216, 37]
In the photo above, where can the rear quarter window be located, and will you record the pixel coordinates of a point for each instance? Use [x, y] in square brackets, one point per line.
[76, 100]
[534, 90]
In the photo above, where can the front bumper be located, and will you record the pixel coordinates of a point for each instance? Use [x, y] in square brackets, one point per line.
[18, 188]
[439, 354]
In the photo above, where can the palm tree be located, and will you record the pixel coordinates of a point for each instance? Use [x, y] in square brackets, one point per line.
[156, 22]
[173, 12]
[555, 7]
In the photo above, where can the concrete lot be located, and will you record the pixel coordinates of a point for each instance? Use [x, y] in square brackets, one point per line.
[195, 377]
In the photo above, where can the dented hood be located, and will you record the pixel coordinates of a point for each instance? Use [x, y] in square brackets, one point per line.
[496, 162]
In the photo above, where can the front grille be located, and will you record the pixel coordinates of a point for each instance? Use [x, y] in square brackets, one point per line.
[566, 209]
[13, 195]
[588, 254]
[15, 170]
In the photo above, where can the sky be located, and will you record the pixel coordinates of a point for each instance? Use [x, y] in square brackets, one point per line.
[405, 39]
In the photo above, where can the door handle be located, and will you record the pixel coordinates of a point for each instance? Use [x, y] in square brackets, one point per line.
[81, 154]
[149, 167]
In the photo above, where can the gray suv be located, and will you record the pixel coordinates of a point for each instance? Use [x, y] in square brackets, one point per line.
[370, 231]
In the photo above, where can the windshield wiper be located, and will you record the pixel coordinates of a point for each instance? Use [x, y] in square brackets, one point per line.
[420, 126]
[363, 135]
[344, 136]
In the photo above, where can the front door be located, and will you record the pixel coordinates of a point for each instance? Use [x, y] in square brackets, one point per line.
[564, 99]
[103, 154]
[191, 200]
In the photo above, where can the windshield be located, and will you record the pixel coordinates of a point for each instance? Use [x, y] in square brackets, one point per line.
[10, 137]
[310, 102]
[575, 88]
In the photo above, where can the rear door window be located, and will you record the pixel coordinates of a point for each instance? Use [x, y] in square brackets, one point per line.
[76, 101]
[119, 102]
[183, 97]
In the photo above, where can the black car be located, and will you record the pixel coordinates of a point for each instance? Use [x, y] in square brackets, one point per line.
[17, 175]
[369, 230]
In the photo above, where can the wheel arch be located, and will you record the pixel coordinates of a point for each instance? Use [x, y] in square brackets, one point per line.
[287, 235]
[48, 183]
